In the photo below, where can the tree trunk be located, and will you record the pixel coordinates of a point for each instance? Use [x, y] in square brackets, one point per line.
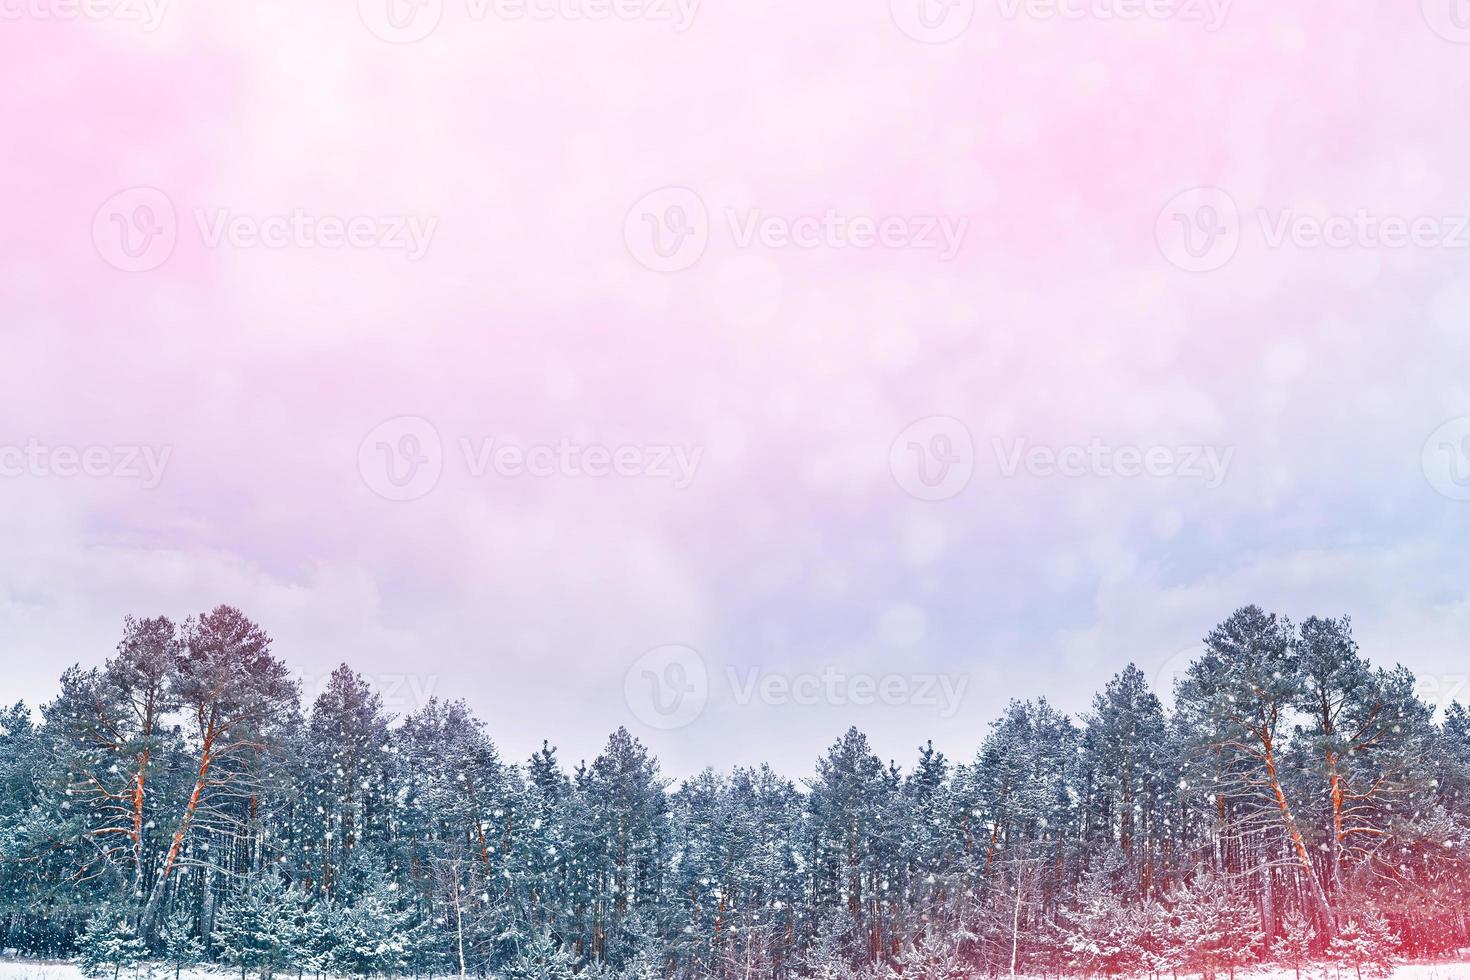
[459, 923]
[1314, 884]
[1015, 928]
[155, 898]
[139, 781]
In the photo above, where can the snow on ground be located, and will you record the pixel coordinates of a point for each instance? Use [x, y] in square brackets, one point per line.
[55, 970]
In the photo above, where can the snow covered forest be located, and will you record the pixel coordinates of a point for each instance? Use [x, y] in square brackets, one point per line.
[178, 803]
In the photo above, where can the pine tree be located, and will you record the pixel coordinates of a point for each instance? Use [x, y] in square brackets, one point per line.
[623, 843]
[848, 798]
[1236, 702]
[1128, 772]
[1365, 943]
[257, 929]
[641, 966]
[233, 692]
[933, 958]
[180, 946]
[373, 935]
[1366, 737]
[109, 945]
[540, 958]
[348, 762]
[1294, 944]
[1160, 948]
[1100, 934]
[1216, 925]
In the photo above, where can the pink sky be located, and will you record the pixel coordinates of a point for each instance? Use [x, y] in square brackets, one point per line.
[498, 178]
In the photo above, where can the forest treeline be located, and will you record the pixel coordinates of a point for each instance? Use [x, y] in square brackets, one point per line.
[179, 801]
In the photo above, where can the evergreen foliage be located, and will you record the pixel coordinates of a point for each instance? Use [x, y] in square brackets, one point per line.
[179, 803]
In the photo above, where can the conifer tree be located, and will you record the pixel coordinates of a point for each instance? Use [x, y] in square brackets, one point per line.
[540, 958]
[1365, 944]
[182, 949]
[110, 945]
[1292, 775]
[256, 930]
[1293, 945]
